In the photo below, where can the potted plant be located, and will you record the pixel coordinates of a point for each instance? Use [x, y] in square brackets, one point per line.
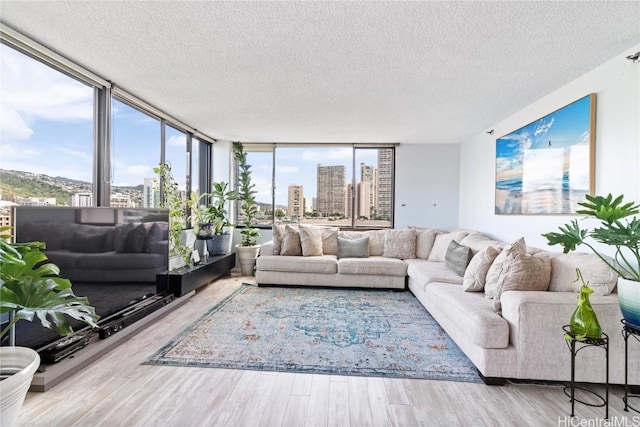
[618, 231]
[210, 222]
[178, 250]
[30, 286]
[248, 247]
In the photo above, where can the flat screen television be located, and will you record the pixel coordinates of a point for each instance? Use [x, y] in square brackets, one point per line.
[111, 255]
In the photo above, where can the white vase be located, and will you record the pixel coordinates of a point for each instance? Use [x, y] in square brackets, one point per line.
[629, 300]
[17, 367]
[247, 257]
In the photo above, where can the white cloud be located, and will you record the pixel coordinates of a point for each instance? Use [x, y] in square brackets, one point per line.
[543, 127]
[12, 125]
[73, 152]
[177, 140]
[13, 152]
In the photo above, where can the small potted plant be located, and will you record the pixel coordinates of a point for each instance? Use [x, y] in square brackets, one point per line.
[30, 286]
[211, 222]
[617, 230]
[248, 249]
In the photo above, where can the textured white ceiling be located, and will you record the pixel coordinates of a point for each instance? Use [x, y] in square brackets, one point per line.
[334, 71]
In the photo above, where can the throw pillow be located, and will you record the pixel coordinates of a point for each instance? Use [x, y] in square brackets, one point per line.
[311, 240]
[400, 244]
[563, 273]
[376, 242]
[424, 241]
[330, 240]
[278, 238]
[136, 240]
[86, 242]
[291, 244]
[154, 234]
[523, 272]
[476, 274]
[120, 238]
[491, 283]
[457, 258]
[441, 244]
[353, 248]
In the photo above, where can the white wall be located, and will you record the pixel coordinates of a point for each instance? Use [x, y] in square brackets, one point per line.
[617, 85]
[427, 185]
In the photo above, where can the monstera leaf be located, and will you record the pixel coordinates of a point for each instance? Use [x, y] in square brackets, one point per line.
[30, 286]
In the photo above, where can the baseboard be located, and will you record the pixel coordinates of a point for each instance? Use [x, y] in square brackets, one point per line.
[50, 375]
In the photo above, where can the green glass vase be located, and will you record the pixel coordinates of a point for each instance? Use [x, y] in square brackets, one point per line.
[584, 322]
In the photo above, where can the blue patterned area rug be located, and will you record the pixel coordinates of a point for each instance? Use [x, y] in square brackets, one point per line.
[329, 331]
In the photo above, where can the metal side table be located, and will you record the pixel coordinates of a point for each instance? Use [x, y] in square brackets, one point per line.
[628, 331]
[603, 343]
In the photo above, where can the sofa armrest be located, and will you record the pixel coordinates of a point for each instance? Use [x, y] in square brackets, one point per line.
[266, 248]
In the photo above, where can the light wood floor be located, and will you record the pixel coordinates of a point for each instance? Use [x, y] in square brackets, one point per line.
[118, 391]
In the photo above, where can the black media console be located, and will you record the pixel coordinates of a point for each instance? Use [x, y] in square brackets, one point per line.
[186, 279]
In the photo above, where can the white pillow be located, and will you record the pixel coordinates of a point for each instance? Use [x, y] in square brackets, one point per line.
[291, 244]
[441, 244]
[311, 240]
[476, 274]
[491, 283]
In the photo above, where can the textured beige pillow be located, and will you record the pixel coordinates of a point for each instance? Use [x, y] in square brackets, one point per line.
[278, 238]
[476, 273]
[523, 272]
[491, 283]
[291, 244]
[399, 244]
[376, 242]
[424, 241]
[563, 272]
[441, 244]
[311, 240]
[330, 240]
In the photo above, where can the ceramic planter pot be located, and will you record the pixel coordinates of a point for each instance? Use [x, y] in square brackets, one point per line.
[17, 367]
[218, 244]
[247, 257]
[629, 300]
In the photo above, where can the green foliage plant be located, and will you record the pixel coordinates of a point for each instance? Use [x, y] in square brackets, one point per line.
[246, 196]
[615, 229]
[177, 215]
[215, 213]
[30, 286]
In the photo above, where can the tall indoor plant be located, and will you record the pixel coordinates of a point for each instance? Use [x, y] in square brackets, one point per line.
[30, 286]
[177, 216]
[248, 248]
[617, 230]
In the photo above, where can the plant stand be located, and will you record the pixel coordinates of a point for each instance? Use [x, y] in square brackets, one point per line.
[186, 279]
[628, 331]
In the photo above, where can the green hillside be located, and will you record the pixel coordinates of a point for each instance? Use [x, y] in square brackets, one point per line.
[15, 185]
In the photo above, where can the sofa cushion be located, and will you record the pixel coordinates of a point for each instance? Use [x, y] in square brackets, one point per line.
[491, 283]
[478, 241]
[425, 272]
[120, 237]
[476, 273]
[123, 261]
[64, 259]
[376, 265]
[136, 240]
[52, 233]
[563, 272]
[86, 242]
[278, 237]
[472, 313]
[399, 244]
[291, 243]
[376, 239]
[353, 248]
[457, 257]
[523, 272]
[310, 240]
[441, 244]
[330, 240]
[318, 264]
[424, 241]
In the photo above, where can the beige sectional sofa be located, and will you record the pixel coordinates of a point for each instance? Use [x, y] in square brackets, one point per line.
[514, 335]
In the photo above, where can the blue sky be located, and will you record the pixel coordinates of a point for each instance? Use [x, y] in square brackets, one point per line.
[567, 126]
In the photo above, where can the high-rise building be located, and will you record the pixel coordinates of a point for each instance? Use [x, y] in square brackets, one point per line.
[369, 174]
[331, 190]
[295, 206]
[151, 193]
[362, 200]
[119, 200]
[81, 199]
[384, 207]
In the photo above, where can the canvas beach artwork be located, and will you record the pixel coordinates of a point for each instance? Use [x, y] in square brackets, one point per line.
[546, 167]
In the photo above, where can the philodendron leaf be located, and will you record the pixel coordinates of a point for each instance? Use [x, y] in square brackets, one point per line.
[570, 236]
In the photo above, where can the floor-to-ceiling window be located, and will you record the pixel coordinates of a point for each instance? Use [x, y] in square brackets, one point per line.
[46, 134]
[343, 185]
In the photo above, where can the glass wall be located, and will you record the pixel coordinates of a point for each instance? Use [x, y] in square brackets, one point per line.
[46, 134]
[319, 184]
